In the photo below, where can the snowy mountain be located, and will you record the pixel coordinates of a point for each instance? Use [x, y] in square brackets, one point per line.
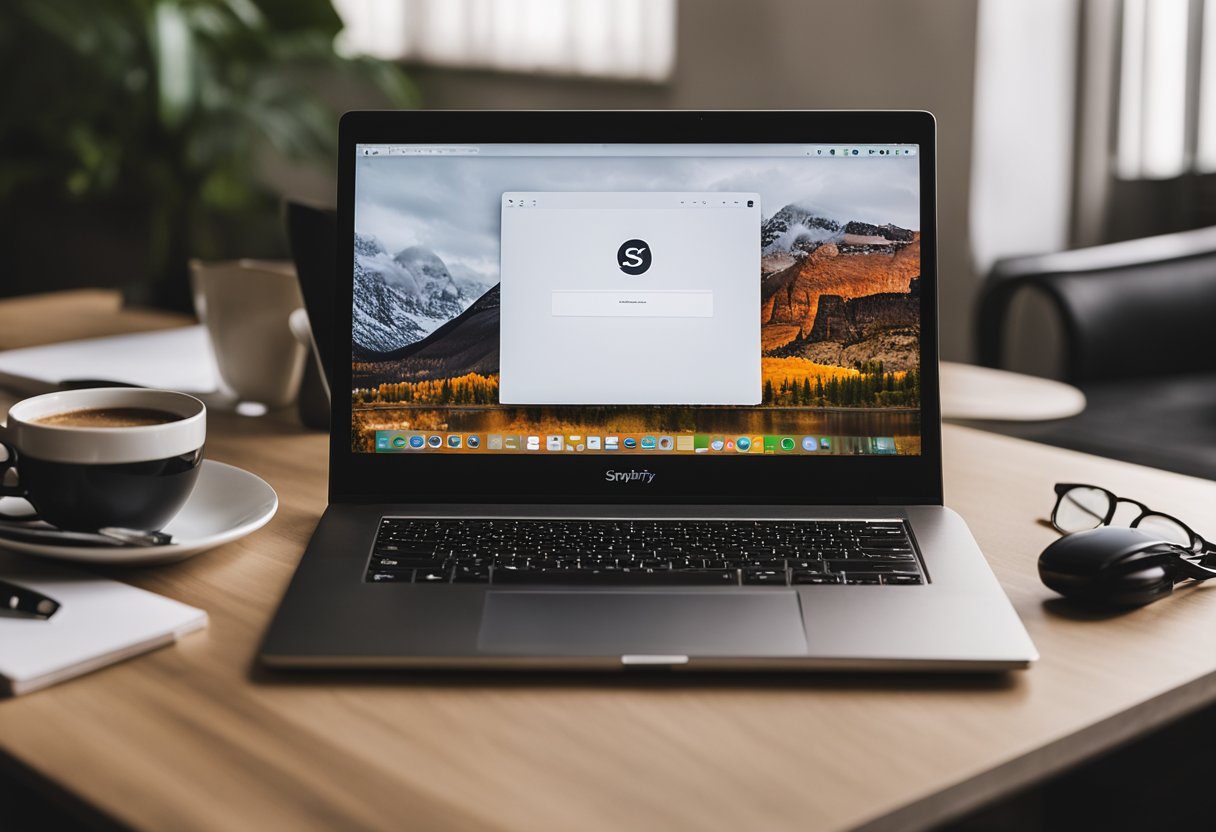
[401, 299]
[382, 321]
[465, 344]
[797, 229]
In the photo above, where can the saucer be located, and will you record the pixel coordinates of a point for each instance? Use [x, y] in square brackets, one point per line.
[227, 503]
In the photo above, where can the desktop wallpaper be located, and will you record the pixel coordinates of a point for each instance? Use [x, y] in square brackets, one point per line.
[839, 284]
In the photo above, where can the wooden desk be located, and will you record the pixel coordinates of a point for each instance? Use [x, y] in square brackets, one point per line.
[196, 737]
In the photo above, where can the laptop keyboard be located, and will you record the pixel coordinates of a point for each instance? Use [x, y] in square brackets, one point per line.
[643, 552]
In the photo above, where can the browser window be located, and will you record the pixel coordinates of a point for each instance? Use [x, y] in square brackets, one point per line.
[600, 304]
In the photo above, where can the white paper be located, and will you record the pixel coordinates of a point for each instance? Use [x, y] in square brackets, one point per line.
[169, 359]
[99, 622]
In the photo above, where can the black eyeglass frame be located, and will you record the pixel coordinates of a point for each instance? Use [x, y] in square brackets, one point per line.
[1197, 545]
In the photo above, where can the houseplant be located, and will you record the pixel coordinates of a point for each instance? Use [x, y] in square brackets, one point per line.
[133, 132]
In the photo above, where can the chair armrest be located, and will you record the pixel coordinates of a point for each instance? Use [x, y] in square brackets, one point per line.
[1120, 321]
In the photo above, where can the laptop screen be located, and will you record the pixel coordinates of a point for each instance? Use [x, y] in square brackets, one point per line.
[679, 299]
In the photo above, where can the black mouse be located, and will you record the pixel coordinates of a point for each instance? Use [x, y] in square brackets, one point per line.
[1116, 567]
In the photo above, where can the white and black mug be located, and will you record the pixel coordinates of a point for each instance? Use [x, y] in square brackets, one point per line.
[115, 456]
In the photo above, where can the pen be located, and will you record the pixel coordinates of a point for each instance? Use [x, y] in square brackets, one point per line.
[22, 602]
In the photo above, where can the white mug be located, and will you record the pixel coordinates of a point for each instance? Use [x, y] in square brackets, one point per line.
[246, 306]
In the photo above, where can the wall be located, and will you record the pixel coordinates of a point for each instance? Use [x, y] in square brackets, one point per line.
[789, 54]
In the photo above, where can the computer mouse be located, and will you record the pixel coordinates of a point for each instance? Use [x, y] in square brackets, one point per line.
[1111, 566]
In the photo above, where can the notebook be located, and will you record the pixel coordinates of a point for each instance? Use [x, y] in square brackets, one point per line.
[171, 359]
[99, 622]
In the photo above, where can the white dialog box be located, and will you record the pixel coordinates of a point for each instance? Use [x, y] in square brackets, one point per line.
[630, 298]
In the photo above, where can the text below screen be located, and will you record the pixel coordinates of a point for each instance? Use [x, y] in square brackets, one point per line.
[630, 298]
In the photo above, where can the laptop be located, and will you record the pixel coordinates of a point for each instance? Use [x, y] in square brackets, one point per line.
[621, 390]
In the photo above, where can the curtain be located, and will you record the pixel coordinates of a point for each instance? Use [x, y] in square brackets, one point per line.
[623, 39]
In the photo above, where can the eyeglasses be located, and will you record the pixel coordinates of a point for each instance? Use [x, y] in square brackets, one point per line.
[1080, 507]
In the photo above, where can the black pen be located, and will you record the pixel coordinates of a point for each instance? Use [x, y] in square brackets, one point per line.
[22, 602]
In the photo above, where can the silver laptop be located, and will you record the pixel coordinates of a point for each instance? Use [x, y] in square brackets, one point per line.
[639, 389]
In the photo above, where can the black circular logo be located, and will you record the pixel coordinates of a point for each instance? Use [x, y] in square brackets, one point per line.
[633, 256]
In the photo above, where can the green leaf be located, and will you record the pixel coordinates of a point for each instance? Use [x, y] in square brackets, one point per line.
[173, 44]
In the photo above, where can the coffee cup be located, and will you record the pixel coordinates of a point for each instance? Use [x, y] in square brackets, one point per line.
[115, 456]
[246, 306]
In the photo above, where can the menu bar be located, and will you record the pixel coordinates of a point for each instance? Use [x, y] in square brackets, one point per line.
[814, 150]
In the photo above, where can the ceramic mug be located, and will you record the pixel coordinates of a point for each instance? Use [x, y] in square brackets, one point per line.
[246, 306]
[83, 478]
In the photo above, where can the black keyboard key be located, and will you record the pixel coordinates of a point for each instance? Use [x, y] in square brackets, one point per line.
[619, 577]
[416, 563]
[893, 542]
[816, 578]
[406, 551]
[861, 578]
[883, 554]
[388, 565]
[764, 576]
[471, 575]
[906, 579]
[466, 560]
[868, 565]
[431, 576]
[752, 563]
[403, 577]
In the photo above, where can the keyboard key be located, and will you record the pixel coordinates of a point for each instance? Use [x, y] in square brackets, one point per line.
[391, 577]
[816, 578]
[883, 554]
[471, 575]
[868, 565]
[389, 565]
[415, 563]
[901, 579]
[406, 551]
[764, 576]
[893, 542]
[619, 577]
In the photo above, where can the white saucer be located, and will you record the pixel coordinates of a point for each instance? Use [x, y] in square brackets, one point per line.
[227, 503]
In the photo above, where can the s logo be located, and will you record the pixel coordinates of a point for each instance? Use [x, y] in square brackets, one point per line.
[633, 256]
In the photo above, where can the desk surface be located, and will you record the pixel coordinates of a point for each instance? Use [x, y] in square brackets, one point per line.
[196, 737]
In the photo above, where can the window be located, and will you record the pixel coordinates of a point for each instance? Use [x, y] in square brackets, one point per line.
[602, 302]
[1167, 89]
[622, 39]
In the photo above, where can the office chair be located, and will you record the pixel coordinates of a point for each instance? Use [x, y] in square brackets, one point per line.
[1135, 319]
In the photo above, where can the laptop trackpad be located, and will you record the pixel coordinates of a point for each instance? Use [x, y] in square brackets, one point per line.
[547, 623]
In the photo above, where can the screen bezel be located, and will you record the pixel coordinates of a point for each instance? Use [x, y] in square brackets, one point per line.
[518, 478]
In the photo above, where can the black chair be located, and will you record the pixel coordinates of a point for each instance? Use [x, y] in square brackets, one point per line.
[1136, 320]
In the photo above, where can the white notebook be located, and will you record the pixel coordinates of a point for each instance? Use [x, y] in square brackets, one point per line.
[171, 359]
[99, 622]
